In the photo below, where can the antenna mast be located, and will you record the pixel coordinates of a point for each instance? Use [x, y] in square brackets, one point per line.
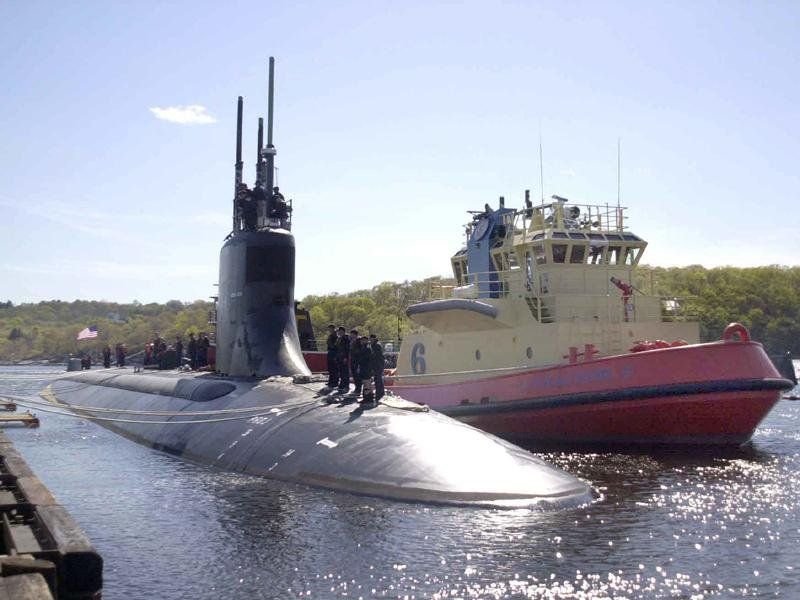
[541, 166]
[237, 180]
[618, 173]
[259, 160]
[270, 149]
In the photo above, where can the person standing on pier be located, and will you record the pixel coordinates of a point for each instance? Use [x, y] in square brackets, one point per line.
[121, 354]
[333, 369]
[107, 356]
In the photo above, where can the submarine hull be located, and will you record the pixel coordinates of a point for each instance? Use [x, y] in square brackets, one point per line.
[289, 431]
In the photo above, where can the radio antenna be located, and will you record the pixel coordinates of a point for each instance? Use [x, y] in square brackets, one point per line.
[618, 172]
[541, 166]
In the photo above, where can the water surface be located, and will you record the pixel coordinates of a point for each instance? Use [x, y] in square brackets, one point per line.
[688, 525]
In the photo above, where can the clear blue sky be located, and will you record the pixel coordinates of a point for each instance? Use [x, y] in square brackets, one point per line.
[392, 120]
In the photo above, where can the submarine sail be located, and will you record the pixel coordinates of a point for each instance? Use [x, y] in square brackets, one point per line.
[262, 413]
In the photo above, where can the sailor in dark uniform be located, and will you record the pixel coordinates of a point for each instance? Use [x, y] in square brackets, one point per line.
[192, 348]
[365, 368]
[355, 350]
[342, 355]
[377, 364]
[241, 197]
[333, 370]
[278, 208]
[250, 211]
[179, 351]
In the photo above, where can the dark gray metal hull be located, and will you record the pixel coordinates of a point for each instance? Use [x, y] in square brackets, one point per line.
[296, 435]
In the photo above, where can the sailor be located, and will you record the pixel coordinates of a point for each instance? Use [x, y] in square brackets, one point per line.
[179, 351]
[203, 344]
[365, 368]
[250, 211]
[333, 370]
[201, 355]
[342, 354]
[159, 347]
[571, 220]
[107, 356]
[259, 203]
[627, 293]
[528, 208]
[192, 349]
[121, 349]
[241, 194]
[279, 210]
[377, 364]
[355, 360]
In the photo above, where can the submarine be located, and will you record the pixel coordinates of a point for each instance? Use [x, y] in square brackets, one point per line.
[262, 412]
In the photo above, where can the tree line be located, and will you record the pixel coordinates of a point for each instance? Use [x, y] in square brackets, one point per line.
[765, 299]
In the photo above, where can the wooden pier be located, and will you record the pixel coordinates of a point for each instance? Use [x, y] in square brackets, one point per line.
[27, 419]
[44, 554]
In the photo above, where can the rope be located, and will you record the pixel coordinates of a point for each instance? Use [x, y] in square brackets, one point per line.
[35, 406]
[31, 401]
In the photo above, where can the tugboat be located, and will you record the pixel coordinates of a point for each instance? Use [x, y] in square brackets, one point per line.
[545, 339]
[262, 412]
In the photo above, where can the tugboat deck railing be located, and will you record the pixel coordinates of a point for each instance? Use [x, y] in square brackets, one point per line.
[563, 306]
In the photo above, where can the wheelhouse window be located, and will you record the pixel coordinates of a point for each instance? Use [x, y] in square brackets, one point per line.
[559, 253]
[632, 255]
[578, 254]
[539, 254]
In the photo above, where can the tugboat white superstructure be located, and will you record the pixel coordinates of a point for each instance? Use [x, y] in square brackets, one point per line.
[544, 339]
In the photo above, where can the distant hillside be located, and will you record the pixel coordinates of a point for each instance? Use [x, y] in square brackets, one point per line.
[765, 299]
[47, 330]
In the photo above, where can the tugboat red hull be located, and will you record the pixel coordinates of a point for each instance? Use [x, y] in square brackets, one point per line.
[703, 394]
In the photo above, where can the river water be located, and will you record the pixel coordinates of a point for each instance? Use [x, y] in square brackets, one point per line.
[688, 525]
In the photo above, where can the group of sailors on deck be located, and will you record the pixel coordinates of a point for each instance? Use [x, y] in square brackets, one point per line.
[248, 202]
[359, 357]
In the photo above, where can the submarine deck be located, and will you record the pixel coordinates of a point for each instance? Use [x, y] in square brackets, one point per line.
[288, 429]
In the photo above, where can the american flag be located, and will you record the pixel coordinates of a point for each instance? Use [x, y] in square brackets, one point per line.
[87, 333]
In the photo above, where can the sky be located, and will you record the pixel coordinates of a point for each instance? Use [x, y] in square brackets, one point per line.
[117, 133]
